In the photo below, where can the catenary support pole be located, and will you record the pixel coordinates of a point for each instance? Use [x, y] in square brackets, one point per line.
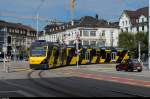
[149, 41]
[139, 52]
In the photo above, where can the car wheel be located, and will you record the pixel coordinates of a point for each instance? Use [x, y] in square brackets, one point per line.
[117, 68]
[130, 70]
[139, 70]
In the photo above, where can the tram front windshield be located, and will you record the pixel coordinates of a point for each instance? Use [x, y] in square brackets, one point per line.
[38, 51]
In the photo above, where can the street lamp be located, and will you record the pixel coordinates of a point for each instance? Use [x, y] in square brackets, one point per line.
[77, 47]
[37, 25]
[37, 17]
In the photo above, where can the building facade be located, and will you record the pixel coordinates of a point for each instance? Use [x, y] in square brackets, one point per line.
[91, 31]
[134, 21]
[15, 36]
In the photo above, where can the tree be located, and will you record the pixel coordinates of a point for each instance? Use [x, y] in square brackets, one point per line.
[131, 41]
[143, 39]
[127, 40]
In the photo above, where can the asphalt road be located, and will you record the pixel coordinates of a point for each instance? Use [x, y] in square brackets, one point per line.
[38, 84]
[71, 82]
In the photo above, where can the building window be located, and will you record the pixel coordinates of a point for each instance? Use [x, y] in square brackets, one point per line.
[13, 30]
[137, 29]
[9, 30]
[93, 33]
[103, 33]
[142, 20]
[137, 20]
[121, 30]
[71, 42]
[85, 42]
[93, 43]
[126, 22]
[126, 29]
[85, 33]
[123, 23]
[81, 33]
[142, 28]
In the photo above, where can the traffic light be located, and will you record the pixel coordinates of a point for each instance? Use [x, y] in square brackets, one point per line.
[9, 39]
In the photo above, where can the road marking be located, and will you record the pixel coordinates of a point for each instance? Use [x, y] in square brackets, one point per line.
[109, 78]
[2, 92]
[17, 92]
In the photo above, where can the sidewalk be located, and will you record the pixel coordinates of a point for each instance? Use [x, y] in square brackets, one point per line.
[14, 70]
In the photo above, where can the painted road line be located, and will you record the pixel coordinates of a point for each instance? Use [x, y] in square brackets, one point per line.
[110, 78]
[117, 79]
[17, 92]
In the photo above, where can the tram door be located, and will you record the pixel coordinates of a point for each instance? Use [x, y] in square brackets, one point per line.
[113, 56]
[87, 56]
[108, 56]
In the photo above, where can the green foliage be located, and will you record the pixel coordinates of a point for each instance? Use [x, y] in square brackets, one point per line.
[131, 41]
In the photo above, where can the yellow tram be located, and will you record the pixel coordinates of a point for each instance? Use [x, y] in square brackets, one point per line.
[46, 55]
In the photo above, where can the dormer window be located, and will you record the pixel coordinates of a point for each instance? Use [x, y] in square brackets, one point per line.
[60, 28]
[103, 33]
[56, 28]
[142, 20]
[126, 22]
[123, 23]
[137, 21]
[67, 25]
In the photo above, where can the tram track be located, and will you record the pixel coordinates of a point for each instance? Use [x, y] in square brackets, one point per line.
[75, 81]
[67, 87]
[52, 86]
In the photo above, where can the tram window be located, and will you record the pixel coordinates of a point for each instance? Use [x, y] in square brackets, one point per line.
[72, 52]
[103, 54]
[97, 53]
[83, 53]
[118, 53]
[93, 52]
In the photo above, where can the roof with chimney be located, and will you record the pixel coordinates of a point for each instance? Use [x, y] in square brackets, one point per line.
[15, 25]
[133, 15]
[137, 13]
[86, 21]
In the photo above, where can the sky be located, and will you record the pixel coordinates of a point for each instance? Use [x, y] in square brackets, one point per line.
[22, 11]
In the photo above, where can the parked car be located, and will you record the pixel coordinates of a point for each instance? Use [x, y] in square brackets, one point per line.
[129, 65]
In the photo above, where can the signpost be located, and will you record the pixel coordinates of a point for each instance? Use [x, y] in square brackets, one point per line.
[4, 60]
[77, 47]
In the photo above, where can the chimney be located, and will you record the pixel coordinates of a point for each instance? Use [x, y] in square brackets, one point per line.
[72, 23]
[96, 16]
